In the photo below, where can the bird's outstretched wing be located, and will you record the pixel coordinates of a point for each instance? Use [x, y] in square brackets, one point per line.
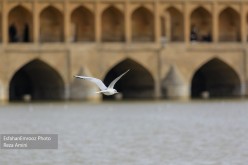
[98, 82]
[112, 84]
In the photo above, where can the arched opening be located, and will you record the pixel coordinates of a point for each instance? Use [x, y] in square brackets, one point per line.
[138, 83]
[175, 24]
[201, 25]
[112, 25]
[142, 25]
[37, 80]
[82, 25]
[229, 25]
[217, 79]
[51, 25]
[20, 25]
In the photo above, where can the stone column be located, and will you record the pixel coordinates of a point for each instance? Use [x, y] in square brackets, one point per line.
[175, 85]
[66, 22]
[4, 22]
[245, 62]
[168, 26]
[157, 89]
[242, 89]
[4, 92]
[127, 22]
[67, 91]
[243, 23]
[157, 23]
[157, 85]
[186, 23]
[215, 19]
[98, 22]
[36, 22]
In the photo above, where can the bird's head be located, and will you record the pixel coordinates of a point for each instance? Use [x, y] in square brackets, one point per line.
[115, 91]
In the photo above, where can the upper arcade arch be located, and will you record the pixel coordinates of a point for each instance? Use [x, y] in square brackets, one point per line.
[229, 25]
[201, 25]
[117, 6]
[82, 25]
[112, 25]
[51, 25]
[142, 25]
[20, 25]
[57, 6]
[174, 24]
[208, 7]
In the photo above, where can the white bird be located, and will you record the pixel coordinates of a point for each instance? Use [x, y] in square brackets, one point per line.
[105, 90]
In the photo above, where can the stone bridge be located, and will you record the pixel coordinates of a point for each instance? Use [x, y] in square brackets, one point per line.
[175, 49]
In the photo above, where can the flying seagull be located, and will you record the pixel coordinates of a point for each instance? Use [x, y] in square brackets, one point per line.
[105, 90]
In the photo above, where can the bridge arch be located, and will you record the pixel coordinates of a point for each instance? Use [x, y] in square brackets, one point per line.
[229, 25]
[176, 23]
[82, 25]
[37, 80]
[51, 25]
[20, 24]
[138, 83]
[201, 25]
[142, 25]
[216, 78]
[112, 25]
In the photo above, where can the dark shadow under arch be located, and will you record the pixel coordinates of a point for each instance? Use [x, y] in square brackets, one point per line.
[217, 78]
[138, 83]
[38, 80]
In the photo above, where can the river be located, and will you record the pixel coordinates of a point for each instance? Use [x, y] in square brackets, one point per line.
[130, 133]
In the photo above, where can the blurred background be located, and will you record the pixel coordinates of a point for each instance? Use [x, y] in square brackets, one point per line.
[175, 49]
